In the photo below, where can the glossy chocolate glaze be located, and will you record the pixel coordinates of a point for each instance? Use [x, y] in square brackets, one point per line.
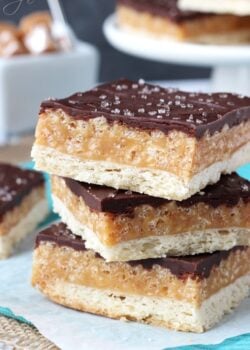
[228, 191]
[196, 266]
[151, 107]
[162, 8]
[15, 183]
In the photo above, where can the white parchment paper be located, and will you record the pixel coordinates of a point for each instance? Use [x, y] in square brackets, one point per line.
[70, 329]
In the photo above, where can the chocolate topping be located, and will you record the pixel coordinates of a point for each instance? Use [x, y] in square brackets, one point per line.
[15, 183]
[162, 8]
[150, 107]
[62, 236]
[196, 266]
[228, 191]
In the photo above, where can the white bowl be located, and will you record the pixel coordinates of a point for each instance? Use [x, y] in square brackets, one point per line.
[27, 80]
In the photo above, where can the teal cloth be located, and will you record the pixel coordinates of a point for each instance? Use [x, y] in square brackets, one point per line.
[241, 342]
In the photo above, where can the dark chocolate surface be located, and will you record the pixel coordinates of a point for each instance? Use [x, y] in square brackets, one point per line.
[62, 236]
[162, 8]
[228, 191]
[151, 107]
[196, 266]
[15, 183]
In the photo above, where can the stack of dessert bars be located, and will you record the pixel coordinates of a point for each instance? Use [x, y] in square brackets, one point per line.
[155, 222]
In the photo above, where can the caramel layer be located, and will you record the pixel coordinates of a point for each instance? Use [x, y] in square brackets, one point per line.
[97, 140]
[56, 258]
[146, 220]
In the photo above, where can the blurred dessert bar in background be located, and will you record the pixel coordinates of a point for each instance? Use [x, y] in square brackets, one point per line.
[189, 293]
[33, 36]
[37, 33]
[10, 41]
[144, 138]
[236, 7]
[22, 205]
[124, 225]
[164, 18]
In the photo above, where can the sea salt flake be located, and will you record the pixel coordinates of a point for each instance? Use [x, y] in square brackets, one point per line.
[111, 195]
[245, 187]
[104, 104]
[141, 81]
[161, 110]
[190, 105]
[159, 116]
[198, 121]
[128, 113]
[20, 181]
[172, 90]
[116, 111]
[223, 95]
[141, 110]
[190, 118]
[156, 89]
[102, 97]
[152, 113]
[134, 86]
[241, 96]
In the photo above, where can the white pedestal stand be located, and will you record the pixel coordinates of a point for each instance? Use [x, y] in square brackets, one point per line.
[231, 64]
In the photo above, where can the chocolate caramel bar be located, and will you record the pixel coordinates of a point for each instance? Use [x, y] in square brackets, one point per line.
[22, 205]
[187, 293]
[124, 225]
[164, 18]
[144, 138]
